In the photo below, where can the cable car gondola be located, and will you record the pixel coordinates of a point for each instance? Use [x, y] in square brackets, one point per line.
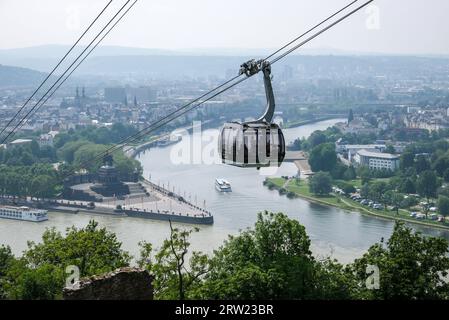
[258, 143]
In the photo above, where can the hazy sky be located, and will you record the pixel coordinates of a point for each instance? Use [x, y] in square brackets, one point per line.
[392, 26]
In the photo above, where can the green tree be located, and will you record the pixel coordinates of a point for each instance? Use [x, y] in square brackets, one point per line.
[67, 152]
[173, 280]
[316, 138]
[350, 116]
[365, 174]
[422, 164]
[427, 184]
[34, 148]
[440, 165]
[86, 156]
[94, 250]
[346, 187]
[411, 267]
[320, 183]
[26, 158]
[271, 261]
[47, 154]
[338, 171]
[443, 205]
[446, 175]
[377, 191]
[126, 166]
[43, 282]
[407, 160]
[390, 149]
[40, 272]
[365, 190]
[42, 186]
[393, 198]
[350, 173]
[323, 157]
[407, 186]
[6, 260]
[61, 139]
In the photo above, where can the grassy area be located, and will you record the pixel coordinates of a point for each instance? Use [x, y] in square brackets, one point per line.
[301, 189]
[357, 183]
[279, 182]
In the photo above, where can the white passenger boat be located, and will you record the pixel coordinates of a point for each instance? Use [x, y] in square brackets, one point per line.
[23, 213]
[222, 185]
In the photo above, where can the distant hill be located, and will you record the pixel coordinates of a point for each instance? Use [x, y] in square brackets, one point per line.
[115, 62]
[43, 58]
[176, 67]
[19, 77]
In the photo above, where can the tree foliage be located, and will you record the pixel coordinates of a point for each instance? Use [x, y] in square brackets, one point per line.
[323, 157]
[38, 180]
[443, 205]
[320, 183]
[175, 274]
[40, 272]
[271, 261]
[427, 184]
[411, 267]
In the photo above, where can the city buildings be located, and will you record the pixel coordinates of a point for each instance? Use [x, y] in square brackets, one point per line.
[429, 118]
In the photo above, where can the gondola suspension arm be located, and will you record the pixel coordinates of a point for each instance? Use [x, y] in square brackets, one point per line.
[251, 68]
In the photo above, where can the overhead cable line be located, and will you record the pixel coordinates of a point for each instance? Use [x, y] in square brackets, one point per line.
[54, 69]
[12, 133]
[320, 32]
[234, 78]
[82, 60]
[311, 29]
[190, 106]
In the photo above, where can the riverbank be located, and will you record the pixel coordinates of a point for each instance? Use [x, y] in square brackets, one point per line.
[294, 124]
[292, 189]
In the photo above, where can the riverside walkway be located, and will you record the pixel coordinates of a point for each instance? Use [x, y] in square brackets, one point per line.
[300, 159]
[157, 204]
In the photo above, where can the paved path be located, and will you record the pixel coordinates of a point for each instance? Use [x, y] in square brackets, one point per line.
[158, 202]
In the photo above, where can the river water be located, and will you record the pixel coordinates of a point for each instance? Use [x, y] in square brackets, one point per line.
[341, 234]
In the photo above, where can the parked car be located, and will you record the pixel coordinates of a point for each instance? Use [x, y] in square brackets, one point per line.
[377, 206]
[91, 205]
[374, 204]
[413, 214]
[356, 197]
[433, 216]
[420, 216]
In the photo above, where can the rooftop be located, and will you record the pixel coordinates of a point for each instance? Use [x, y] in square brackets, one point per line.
[366, 153]
[19, 141]
[364, 146]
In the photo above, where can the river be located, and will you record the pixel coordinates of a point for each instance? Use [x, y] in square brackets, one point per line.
[341, 234]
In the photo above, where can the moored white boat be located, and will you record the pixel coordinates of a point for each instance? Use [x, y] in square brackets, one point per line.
[23, 213]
